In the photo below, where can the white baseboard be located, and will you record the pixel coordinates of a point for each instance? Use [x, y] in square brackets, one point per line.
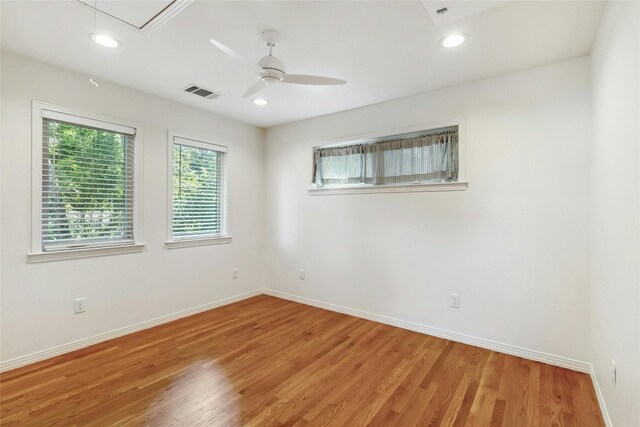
[538, 356]
[85, 342]
[603, 406]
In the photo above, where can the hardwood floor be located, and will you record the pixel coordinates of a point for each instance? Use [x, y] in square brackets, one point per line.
[267, 361]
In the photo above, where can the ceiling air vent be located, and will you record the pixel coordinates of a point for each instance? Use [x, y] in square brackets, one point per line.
[202, 92]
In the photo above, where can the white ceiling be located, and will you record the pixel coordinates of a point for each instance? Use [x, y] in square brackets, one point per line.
[384, 49]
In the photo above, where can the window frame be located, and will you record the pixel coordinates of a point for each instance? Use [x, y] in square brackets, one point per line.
[203, 240]
[460, 185]
[37, 254]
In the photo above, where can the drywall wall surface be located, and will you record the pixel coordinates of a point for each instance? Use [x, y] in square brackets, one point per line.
[514, 246]
[615, 211]
[121, 290]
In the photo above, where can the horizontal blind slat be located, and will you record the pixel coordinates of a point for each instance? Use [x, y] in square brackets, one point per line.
[89, 229]
[101, 241]
[211, 232]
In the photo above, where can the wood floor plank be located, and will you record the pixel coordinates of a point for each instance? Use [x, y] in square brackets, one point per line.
[267, 361]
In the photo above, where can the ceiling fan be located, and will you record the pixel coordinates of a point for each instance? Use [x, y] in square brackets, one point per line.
[270, 70]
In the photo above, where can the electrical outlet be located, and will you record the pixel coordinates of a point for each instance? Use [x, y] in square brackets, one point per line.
[455, 300]
[614, 373]
[234, 273]
[301, 274]
[79, 305]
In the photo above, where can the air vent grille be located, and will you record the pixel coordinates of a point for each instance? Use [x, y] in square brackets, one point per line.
[202, 92]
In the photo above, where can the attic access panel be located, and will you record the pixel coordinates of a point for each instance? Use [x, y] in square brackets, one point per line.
[141, 16]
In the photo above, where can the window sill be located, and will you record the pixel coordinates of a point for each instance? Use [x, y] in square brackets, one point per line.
[391, 188]
[84, 253]
[204, 241]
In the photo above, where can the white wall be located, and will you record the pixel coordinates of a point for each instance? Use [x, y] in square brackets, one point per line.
[37, 308]
[615, 265]
[514, 245]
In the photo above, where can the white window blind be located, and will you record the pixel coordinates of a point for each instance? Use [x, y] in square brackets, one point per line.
[87, 182]
[199, 189]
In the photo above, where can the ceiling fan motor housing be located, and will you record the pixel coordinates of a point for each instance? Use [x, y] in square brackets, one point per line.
[273, 69]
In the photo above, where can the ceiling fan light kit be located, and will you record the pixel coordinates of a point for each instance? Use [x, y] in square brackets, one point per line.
[273, 69]
[270, 70]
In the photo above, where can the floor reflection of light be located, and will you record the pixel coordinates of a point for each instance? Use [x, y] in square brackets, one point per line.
[199, 394]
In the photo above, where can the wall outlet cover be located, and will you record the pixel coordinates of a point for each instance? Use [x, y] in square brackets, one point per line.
[455, 300]
[79, 305]
[614, 372]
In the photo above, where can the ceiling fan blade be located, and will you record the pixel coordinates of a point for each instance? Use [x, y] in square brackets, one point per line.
[236, 56]
[255, 89]
[301, 79]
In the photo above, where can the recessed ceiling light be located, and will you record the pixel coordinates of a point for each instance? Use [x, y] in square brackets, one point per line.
[260, 101]
[105, 40]
[453, 40]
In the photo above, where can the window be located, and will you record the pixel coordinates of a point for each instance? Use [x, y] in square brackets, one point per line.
[422, 157]
[198, 192]
[84, 176]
